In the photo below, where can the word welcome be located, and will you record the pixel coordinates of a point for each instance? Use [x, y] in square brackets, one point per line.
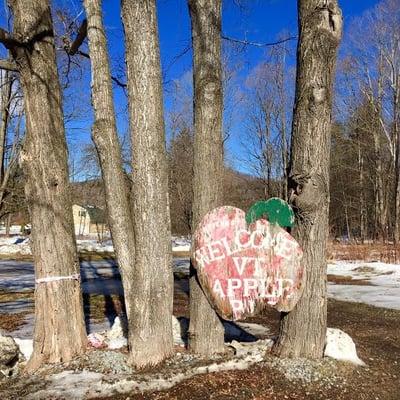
[281, 243]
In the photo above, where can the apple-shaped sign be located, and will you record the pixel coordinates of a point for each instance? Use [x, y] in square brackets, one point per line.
[245, 268]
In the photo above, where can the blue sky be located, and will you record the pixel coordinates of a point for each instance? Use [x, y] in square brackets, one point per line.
[257, 20]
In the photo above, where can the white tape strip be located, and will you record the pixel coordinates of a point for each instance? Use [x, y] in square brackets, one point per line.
[58, 278]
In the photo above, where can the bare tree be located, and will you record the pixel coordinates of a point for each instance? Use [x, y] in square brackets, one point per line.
[180, 157]
[371, 74]
[303, 330]
[206, 333]
[151, 336]
[265, 139]
[11, 135]
[44, 158]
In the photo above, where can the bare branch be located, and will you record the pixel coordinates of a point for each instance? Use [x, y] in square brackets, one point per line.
[83, 54]
[256, 44]
[8, 65]
[82, 32]
[74, 49]
[7, 39]
[118, 82]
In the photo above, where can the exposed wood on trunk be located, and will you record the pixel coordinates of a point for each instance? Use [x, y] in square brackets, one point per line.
[59, 324]
[206, 334]
[151, 336]
[105, 137]
[303, 330]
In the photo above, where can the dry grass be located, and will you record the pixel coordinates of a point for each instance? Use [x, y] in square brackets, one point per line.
[11, 322]
[348, 280]
[14, 296]
[383, 252]
[97, 307]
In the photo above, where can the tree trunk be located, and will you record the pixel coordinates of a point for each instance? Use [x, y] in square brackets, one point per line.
[363, 210]
[302, 331]
[59, 323]
[396, 137]
[151, 336]
[206, 333]
[105, 137]
[281, 78]
[379, 195]
[8, 225]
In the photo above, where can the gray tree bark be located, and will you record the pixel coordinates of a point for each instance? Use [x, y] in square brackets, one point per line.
[151, 337]
[302, 331]
[105, 137]
[206, 333]
[59, 324]
[396, 136]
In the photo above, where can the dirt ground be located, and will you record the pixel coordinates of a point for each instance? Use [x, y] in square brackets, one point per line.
[376, 332]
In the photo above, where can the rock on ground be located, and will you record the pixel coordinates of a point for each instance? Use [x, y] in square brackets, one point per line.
[9, 350]
[340, 346]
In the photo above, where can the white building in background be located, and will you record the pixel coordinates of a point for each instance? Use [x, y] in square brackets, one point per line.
[89, 220]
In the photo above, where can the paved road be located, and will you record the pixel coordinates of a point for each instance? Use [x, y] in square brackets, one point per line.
[98, 277]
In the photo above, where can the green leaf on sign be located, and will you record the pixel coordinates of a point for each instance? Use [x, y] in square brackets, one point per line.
[274, 210]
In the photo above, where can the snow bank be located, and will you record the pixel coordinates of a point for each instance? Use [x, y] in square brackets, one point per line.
[180, 244]
[21, 245]
[25, 347]
[340, 346]
[377, 273]
[15, 245]
[92, 245]
[14, 229]
[383, 283]
[91, 385]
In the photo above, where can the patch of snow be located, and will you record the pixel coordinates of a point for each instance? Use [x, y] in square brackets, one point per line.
[340, 346]
[69, 385]
[254, 329]
[117, 343]
[180, 327]
[25, 347]
[14, 229]
[116, 331]
[93, 245]
[15, 245]
[181, 244]
[384, 280]
[373, 295]
[18, 244]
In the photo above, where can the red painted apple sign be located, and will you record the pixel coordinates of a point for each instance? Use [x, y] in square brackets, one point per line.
[243, 269]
